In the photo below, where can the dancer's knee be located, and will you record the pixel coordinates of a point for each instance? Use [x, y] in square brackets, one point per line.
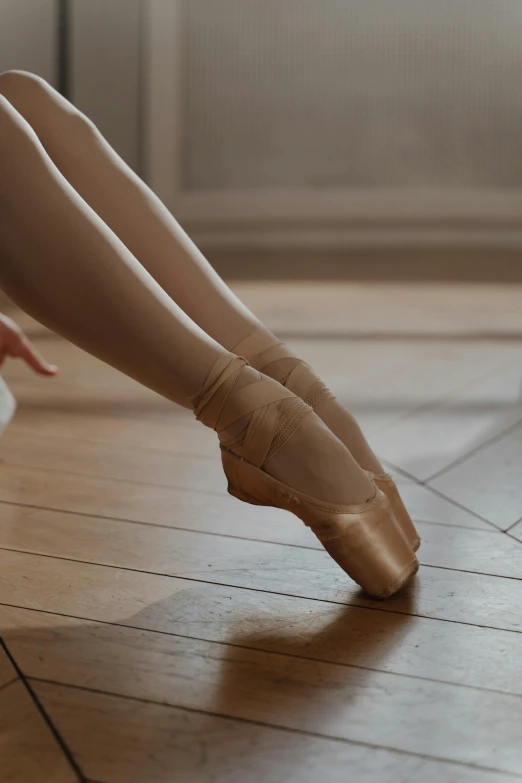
[16, 84]
[40, 104]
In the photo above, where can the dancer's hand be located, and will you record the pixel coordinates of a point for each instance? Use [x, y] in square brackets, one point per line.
[15, 344]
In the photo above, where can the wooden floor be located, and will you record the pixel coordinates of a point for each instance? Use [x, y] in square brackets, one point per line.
[156, 630]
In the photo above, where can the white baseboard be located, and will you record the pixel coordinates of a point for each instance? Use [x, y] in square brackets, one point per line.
[339, 220]
[339, 239]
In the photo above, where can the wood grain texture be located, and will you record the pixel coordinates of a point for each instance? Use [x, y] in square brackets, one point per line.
[172, 631]
[7, 670]
[274, 689]
[141, 465]
[516, 531]
[79, 651]
[426, 505]
[115, 411]
[466, 420]
[28, 750]
[488, 481]
[125, 741]
[191, 509]
[444, 594]
[407, 413]
[349, 635]
[27, 528]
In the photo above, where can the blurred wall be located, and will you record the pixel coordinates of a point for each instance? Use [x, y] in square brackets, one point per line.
[353, 93]
[303, 93]
[28, 36]
[366, 101]
[105, 70]
[104, 59]
[27, 42]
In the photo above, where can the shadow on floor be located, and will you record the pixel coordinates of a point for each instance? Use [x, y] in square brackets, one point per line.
[250, 674]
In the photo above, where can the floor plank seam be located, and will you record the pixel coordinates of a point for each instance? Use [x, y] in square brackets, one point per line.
[476, 450]
[163, 526]
[469, 380]
[60, 471]
[17, 429]
[118, 446]
[241, 587]
[465, 570]
[43, 713]
[510, 528]
[286, 595]
[439, 402]
[278, 727]
[295, 656]
[268, 650]
[431, 406]
[440, 494]
[422, 482]
[9, 682]
[450, 525]
[115, 411]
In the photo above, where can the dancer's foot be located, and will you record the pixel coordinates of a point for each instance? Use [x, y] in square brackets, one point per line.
[265, 352]
[276, 452]
[272, 357]
[312, 461]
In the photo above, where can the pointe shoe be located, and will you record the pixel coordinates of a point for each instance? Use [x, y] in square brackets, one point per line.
[364, 539]
[388, 486]
[262, 349]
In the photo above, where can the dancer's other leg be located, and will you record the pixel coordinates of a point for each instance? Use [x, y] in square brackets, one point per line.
[154, 237]
[65, 267]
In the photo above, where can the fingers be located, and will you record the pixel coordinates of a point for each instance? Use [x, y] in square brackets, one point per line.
[22, 349]
[13, 342]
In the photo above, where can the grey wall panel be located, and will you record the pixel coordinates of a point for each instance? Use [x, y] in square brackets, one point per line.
[318, 94]
[28, 37]
[106, 69]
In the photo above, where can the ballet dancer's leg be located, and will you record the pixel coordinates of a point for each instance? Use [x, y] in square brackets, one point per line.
[153, 236]
[61, 263]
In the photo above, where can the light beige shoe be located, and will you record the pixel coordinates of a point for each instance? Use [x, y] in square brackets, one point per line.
[387, 485]
[266, 353]
[365, 540]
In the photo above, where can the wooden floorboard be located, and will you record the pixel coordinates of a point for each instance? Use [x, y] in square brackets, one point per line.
[456, 425]
[350, 635]
[29, 751]
[443, 594]
[48, 645]
[190, 508]
[7, 671]
[143, 465]
[153, 742]
[155, 548]
[170, 632]
[274, 689]
[487, 480]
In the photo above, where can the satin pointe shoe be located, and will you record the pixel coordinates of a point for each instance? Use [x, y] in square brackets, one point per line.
[264, 352]
[364, 539]
[387, 485]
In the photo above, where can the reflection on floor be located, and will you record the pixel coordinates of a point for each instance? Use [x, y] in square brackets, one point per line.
[156, 630]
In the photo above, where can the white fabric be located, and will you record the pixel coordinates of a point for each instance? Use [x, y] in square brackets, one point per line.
[7, 405]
